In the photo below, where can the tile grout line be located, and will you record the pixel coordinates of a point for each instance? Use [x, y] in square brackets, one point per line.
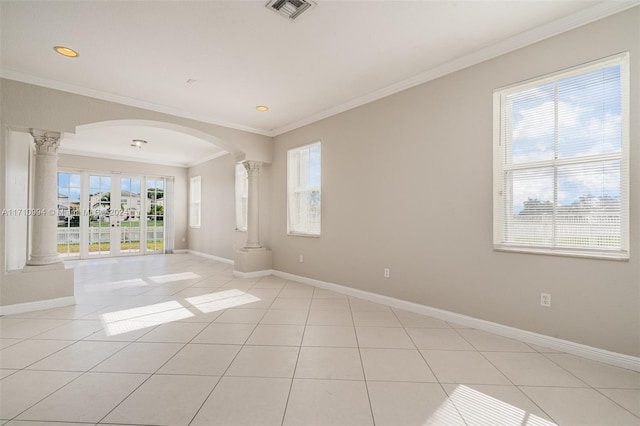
[150, 375]
[433, 373]
[230, 363]
[82, 373]
[295, 367]
[505, 376]
[589, 384]
[614, 401]
[364, 374]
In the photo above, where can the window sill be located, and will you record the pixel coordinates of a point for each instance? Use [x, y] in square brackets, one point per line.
[299, 234]
[603, 255]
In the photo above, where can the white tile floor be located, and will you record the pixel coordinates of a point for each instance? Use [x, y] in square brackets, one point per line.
[176, 340]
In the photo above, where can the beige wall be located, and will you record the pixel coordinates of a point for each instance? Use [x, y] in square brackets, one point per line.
[217, 235]
[407, 184]
[77, 162]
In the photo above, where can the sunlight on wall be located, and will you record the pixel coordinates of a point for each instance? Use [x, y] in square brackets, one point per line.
[163, 279]
[479, 408]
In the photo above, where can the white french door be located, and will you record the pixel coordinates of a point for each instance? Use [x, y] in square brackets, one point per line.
[118, 215]
[101, 205]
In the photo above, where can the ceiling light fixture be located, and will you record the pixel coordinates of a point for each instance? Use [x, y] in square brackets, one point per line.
[137, 143]
[262, 108]
[65, 51]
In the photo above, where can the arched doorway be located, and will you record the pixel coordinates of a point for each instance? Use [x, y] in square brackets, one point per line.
[122, 185]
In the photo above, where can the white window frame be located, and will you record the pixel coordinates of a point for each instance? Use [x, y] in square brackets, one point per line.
[242, 197]
[294, 186]
[195, 202]
[501, 153]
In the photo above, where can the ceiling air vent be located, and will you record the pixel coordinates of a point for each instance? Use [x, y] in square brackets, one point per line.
[290, 9]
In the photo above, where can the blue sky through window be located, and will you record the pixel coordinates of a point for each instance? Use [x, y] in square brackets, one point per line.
[99, 184]
[314, 175]
[69, 186]
[588, 123]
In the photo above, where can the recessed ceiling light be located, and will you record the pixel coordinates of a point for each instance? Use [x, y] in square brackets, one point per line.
[262, 108]
[65, 51]
[137, 143]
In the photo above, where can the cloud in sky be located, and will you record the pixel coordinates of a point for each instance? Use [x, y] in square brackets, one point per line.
[538, 122]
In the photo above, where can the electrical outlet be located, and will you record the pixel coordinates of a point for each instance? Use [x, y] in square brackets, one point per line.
[545, 300]
[386, 272]
[301, 258]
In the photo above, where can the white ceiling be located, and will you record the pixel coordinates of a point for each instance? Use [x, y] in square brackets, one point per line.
[164, 146]
[338, 55]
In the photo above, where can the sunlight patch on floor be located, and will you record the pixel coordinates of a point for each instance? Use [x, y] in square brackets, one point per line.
[479, 408]
[163, 279]
[115, 285]
[222, 300]
[127, 320]
[91, 262]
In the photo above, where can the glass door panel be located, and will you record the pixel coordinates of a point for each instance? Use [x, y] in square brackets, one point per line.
[109, 214]
[155, 215]
[99, 235]
[69, 186]
[130, 218]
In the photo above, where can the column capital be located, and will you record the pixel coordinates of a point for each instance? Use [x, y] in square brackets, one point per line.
[46, 142]
[252, 167]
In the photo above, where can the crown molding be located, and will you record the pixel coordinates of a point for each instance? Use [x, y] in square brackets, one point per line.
[66, 151]
[10, 74]
[584, 17]
[207, 158]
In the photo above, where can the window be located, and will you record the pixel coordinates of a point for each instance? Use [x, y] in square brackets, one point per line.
[303, 190]
[195, 205]
[561, 163]
[242, 197]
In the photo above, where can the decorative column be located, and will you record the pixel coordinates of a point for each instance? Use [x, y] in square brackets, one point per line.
[253, 217]
[252, 260]
[45, 199]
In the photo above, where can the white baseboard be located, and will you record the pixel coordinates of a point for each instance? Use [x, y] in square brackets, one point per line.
[210, 256]
[40, 305]
[180, 251]
[589, 352]
[238, 274]
[255, 274]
